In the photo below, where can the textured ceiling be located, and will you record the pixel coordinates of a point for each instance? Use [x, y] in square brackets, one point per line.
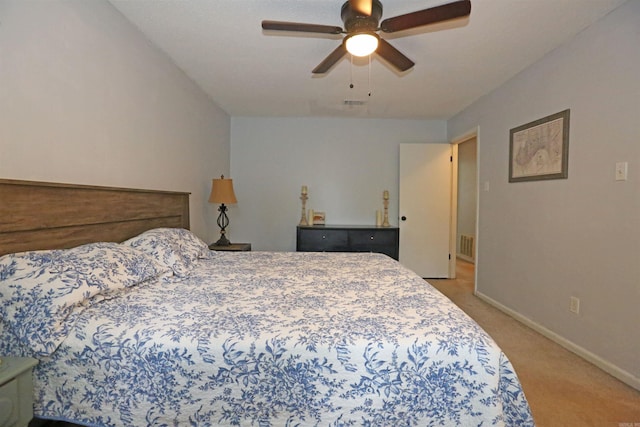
[250, 72]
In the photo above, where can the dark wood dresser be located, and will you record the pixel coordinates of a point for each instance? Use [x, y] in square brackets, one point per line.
[348, 238]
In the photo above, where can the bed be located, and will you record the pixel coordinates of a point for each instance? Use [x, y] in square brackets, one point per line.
[146, 326]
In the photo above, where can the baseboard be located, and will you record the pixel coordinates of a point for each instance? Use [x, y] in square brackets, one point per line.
[466, 258]
[622, 375]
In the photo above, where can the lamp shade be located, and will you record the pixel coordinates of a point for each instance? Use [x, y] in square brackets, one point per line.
[222, 191]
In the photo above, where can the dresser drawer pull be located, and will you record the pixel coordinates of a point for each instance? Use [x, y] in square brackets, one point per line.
[371, 237]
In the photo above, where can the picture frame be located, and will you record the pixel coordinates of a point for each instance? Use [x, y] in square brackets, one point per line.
[318, 218]
[539, 150]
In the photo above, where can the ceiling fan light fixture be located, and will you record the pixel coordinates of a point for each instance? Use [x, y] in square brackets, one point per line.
[362, 44]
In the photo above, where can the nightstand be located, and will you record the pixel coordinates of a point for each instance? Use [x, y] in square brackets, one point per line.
[231, 247]
[16, 391]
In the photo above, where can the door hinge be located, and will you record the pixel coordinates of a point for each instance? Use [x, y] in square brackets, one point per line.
[449, 257]
[451, 159]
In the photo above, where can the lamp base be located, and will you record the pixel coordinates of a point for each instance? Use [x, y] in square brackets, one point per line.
[223, 222]
[222, 241]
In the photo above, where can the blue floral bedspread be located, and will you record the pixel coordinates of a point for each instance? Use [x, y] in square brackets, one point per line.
[281, 339]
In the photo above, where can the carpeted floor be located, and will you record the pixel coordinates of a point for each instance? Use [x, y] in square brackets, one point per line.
[563, 389]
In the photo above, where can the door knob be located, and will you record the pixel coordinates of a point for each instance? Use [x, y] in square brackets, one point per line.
[404, 218]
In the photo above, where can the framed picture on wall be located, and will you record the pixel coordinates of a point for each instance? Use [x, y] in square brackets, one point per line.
[540, 149]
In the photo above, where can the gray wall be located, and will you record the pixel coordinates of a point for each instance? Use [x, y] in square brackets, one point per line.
[542, 242]
[346, 164]
[84, 98]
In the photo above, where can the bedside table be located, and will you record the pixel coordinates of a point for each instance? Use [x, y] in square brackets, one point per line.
[16, 391]
[231, 247]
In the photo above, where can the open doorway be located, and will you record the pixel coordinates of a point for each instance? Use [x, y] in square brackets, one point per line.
[467, 200]
[464, 201]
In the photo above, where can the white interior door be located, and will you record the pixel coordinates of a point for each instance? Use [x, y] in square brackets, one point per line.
[425, 208]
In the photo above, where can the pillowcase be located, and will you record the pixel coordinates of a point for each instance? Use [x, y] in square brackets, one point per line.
[177, 248]
[43, 292]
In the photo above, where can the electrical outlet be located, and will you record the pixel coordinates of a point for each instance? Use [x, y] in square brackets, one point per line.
[574, 305]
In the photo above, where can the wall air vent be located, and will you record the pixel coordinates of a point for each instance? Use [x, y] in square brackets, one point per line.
[467, 247]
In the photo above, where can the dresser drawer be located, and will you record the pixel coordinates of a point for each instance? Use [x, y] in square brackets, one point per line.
[318, 240]
[372, 237]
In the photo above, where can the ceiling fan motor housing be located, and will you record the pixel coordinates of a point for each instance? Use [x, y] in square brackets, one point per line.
[355, 22]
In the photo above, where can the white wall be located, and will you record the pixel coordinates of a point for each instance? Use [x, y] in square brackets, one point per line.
[346, 163]
[84, 98]
[542, 242]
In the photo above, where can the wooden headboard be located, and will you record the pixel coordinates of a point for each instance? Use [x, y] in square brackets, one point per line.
[40, 215]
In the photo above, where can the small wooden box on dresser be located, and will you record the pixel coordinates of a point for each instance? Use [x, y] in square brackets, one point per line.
[16, 391]
[348, 238]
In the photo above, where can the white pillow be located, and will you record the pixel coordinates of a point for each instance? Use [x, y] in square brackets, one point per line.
[177, 248]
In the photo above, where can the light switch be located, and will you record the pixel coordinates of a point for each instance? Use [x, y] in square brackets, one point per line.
[621, 171]
[485, 186]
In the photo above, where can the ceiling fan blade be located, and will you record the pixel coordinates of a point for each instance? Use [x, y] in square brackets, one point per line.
[300, 27]
[330, 60]
[394, 56]
[362, 7]
[432, 15]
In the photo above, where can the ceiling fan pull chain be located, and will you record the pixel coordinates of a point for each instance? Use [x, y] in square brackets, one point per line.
[351, 73]
[369, 75]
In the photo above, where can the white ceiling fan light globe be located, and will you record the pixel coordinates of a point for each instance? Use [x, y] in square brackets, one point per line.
[362, 44]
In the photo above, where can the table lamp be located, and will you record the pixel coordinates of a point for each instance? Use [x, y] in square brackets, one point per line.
[222, 192]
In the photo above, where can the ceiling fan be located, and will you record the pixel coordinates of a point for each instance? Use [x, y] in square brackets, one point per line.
[361, 19]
